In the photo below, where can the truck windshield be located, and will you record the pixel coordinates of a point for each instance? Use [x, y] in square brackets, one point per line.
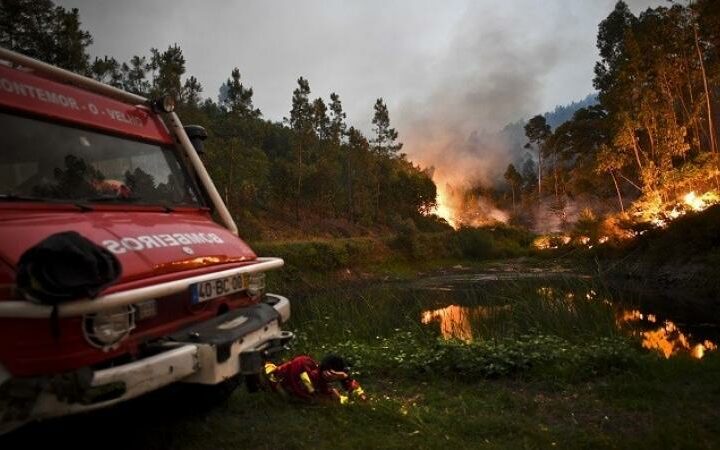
[47, 161]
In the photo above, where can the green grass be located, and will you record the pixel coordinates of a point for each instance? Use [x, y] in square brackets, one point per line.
[369, 309]
[658, 404]
[518, 328]
[317, 261]
[548, 367]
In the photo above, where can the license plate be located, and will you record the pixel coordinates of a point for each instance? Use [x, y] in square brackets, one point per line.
[208, 290]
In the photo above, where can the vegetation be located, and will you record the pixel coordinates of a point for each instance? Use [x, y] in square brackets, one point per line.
[652, 135]
[322, 261]
[557, 373]
[519, 327]
[329, 170]
[528, 363]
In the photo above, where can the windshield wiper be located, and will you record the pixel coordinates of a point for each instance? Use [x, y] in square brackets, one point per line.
[21, 198]
[28, 198]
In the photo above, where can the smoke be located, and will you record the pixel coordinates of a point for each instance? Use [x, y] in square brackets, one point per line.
[463, 207]
[499, 68]
[496, 78]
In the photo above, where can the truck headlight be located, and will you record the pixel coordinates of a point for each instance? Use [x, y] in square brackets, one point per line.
[256, 284]
[107, 328]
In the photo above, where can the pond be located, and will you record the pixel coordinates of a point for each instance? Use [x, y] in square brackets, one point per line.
[503, 300]
[671, 325]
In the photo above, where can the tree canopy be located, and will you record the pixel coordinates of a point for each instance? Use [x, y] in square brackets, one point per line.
[310, 167]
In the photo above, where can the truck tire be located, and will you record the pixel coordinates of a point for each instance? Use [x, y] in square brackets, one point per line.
[209, 396]
[253, 383]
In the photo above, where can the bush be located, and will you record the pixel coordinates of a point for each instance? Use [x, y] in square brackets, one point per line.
[322, 255]
[406, 237]
[415, 355]
[499, 241]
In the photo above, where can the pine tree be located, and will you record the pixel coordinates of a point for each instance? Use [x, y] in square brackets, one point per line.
[538, 131]
[301, 121]
[107, 70]
[337, 119]
[41, 30]
[135, 76]
[385, 139]
[168, 67]
[238, 98]
[514, 179]
[191, 92]
[321, 121]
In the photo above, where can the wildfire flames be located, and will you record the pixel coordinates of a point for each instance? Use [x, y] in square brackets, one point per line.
[651, 212]
[461, 207]
[442, 209]
[660, 215]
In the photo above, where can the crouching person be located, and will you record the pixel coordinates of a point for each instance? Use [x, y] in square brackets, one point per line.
[303, 378]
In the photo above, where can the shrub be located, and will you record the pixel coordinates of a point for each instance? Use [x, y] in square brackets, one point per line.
[415, 355]
[406, 237]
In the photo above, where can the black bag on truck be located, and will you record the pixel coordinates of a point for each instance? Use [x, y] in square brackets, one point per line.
[65, 266]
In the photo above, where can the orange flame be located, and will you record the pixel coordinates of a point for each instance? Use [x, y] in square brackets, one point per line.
[660, 215]
[442, 209]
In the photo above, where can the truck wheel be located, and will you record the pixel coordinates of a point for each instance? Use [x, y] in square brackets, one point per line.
[209, 396]
[253, 383]
[223, 390]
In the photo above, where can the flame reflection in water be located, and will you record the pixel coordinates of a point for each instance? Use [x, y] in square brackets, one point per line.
[455, 322]
[666, 338]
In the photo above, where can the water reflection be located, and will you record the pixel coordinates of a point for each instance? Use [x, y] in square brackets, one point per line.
[455, 320]
[666, 338]
[656, 334]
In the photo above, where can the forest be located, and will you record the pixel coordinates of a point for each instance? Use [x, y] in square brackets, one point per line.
[312, 173]
[645, 152]
[568, 301]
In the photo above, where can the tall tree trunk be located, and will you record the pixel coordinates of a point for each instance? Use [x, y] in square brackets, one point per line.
[349, 187]
[691, 119]
[630, 182]
[299, 184]
[377, 201]
[711, 126]
[512, 187]
[617, 189]
[539, 173]
[649, 128]
[636, 149]
[555, 176]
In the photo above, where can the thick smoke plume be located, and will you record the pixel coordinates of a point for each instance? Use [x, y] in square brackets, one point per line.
[500, 68]
[497, 78]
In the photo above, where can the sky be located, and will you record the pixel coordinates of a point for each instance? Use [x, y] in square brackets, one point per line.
[445, 68]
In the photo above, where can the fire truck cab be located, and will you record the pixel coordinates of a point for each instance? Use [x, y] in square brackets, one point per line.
[190, 304]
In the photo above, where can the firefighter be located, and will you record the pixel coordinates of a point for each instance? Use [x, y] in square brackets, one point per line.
[302, 377]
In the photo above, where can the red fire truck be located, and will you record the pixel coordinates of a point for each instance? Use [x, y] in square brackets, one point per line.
[190, 305]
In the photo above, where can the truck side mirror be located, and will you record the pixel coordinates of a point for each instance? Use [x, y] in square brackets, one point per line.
[197, 135]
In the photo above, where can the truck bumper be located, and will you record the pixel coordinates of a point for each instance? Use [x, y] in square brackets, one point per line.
[208, 353]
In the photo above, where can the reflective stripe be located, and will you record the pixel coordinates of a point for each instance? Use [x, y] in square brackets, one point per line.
[344, 399]
[270, 369]
[358, 392]
[305, 378]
